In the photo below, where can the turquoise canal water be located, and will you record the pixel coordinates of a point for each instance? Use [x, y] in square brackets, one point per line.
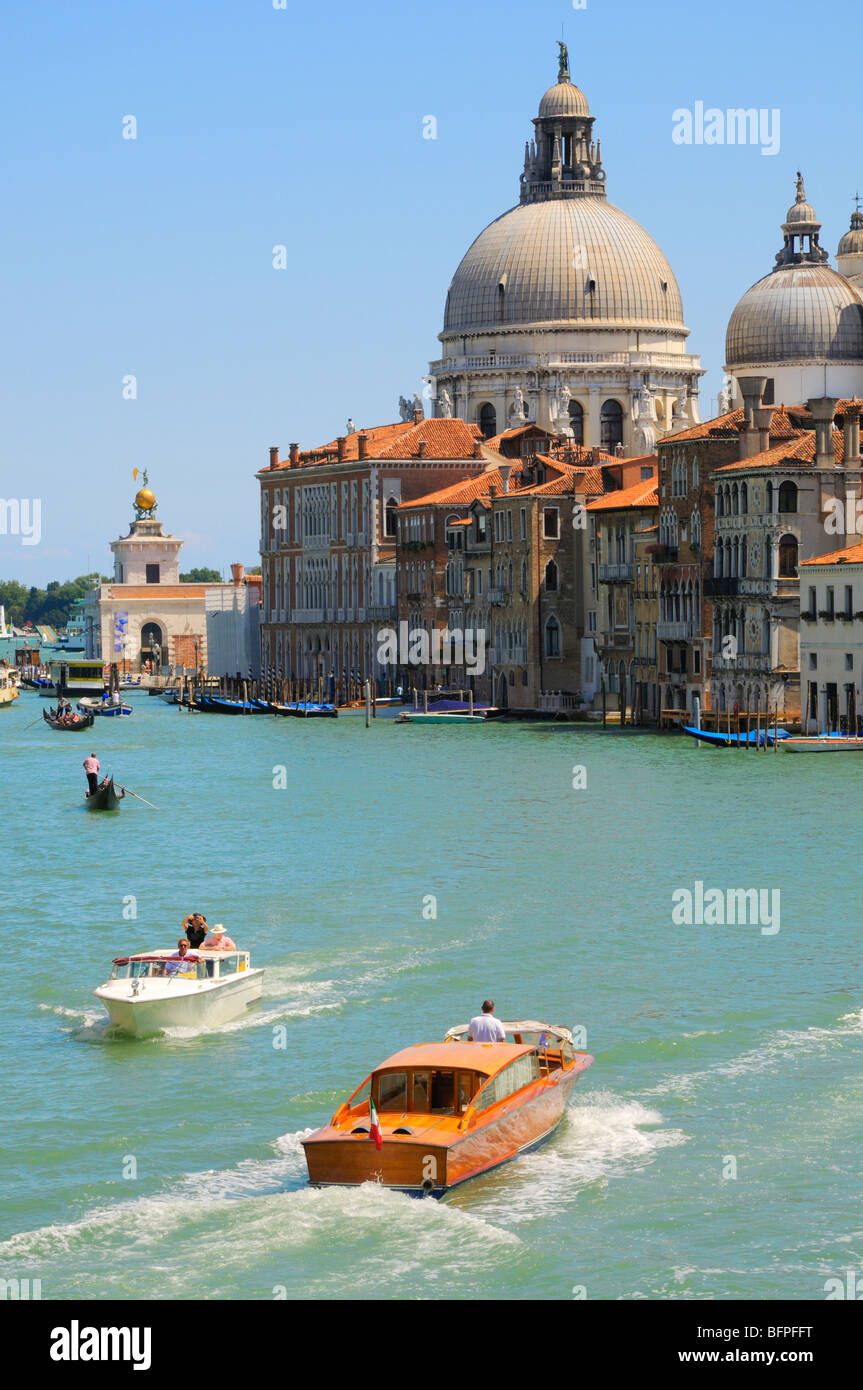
[716, 1046]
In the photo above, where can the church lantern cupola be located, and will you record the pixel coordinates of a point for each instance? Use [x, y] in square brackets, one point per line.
[562, 160]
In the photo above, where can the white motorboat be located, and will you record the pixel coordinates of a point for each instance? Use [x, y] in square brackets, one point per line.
[159, 989]
[8, 689]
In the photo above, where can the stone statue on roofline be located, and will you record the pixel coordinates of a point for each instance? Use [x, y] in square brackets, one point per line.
[417, 406]
[518, 409]
[406, 411]
[444, 404]
[723, 402]
[644, 418]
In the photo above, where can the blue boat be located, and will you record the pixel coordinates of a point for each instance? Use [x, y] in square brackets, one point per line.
[760, 739]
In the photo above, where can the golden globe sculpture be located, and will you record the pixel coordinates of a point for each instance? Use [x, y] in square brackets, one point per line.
[145, 499]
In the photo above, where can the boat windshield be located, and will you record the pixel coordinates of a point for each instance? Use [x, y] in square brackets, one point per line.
[425, 1091]
[520, 1073]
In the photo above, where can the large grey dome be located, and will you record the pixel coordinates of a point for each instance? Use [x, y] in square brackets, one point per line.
[566, 260]
[796, 314]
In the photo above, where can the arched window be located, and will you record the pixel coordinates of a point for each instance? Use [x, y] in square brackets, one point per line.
[551, 577]
[610, 426]
[769, 503]
[488, 420]
[552, 637]
[744, 499]
[390, 516]
[788, 557]
[788, 497]
[576, 421]
[523, 585]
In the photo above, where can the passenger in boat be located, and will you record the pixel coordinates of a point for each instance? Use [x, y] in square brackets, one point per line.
[219, 939]
[91, 767]
[485, 1027]
[182, 953]
[195, 927]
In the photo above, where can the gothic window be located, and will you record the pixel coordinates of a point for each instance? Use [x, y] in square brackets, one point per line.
[552, 637]
[576, 421]
[390, 516]
[610, 426]
[551, 577]
[788, 497]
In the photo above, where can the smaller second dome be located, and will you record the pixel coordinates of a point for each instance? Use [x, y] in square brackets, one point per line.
[564, 99]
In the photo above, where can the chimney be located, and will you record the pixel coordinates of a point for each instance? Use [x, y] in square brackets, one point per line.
[505, 470]
[752, 389]
[274, 456]
[340, 446]
[422, 449]
[763, 420]
[295, 455]
[363, 443]
[237, 573]
[477, 448]
[418, 414]
[822, 410]
[852, 433]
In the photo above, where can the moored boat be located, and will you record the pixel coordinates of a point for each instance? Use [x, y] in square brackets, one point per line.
[823, 743]
[759, 738]
[159, 989]
[436, 1114]
[304, 709]
[445, 717]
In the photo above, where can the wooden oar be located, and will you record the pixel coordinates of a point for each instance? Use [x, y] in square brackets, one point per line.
[129, 792]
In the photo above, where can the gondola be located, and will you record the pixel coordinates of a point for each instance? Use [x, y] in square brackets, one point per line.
[754, 739]
[216, 704]
[104, 798]
[304, 709]
[69, 722]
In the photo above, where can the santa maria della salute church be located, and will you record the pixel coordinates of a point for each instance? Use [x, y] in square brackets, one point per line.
[564, 311]
[564, 498]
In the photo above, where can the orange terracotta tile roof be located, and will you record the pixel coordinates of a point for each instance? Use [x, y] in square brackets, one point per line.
[852, 555]
[727, 426]
[460, 494]
[444, 439]
[643, 494]
[800, 451]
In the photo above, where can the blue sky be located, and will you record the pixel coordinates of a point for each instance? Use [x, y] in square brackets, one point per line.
[303, 127]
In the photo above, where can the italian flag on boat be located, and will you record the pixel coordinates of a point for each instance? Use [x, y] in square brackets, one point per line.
[375, 1126]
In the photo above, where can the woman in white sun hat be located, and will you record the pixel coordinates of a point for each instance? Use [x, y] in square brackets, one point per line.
[219, 939]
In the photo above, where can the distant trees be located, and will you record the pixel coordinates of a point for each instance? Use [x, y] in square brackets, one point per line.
[50, 605]
[201, 576]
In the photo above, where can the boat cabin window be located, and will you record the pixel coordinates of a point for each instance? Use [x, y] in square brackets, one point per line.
[426, 1092]
[228, 965]
[120, 972]
[393, 1091]
[518, 1074]
[360, 1099]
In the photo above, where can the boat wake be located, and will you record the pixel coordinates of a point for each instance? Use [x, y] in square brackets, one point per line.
[784, 1046]
[602, 1136]
[259, 1215]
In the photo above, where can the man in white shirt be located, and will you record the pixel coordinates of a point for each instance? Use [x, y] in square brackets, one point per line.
[485, 1027]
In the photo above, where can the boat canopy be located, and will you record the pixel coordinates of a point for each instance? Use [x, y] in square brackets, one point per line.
[520, 1027]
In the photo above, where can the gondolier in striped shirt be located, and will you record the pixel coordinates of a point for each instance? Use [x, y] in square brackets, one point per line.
[91, 767]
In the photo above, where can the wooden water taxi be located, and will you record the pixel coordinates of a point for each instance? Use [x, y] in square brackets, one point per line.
[436, 1114]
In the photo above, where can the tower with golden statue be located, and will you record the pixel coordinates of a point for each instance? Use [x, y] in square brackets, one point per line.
[146, 555]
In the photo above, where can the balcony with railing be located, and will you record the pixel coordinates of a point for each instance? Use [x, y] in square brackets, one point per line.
[680, 630]
[616, 574]
[498, 597]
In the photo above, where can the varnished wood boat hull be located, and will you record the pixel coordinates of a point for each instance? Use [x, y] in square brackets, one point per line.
[444, 1159]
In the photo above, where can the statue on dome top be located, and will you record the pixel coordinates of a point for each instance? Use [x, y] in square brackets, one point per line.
[563, 64]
